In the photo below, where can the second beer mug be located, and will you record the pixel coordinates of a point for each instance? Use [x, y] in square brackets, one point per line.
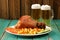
[46, 14]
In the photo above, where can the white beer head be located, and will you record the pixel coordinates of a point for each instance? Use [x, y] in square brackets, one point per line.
[35, 6]
[45, 7]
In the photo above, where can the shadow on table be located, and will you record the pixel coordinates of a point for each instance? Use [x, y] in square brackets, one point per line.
[31, 37]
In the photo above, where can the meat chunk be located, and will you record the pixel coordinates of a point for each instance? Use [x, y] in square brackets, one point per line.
[41, 25]
[26, 22]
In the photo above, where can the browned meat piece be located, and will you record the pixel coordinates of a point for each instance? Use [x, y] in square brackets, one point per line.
[41, 25]
[26, 21]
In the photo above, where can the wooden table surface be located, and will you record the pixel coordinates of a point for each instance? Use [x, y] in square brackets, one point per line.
[54, 35]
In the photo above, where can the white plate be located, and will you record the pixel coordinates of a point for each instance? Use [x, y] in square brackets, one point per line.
[47, 30]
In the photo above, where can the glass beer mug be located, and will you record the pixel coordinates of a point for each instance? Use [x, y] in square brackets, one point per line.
[36, 11]
[47, 14]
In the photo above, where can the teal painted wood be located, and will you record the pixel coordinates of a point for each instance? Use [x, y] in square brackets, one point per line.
[13, 22]
[1, 20]
[42, 37]
[8, 36]
[57, 22]
[3, 25]
[55, 34]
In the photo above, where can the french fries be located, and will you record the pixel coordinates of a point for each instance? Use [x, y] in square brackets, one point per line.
[29, 30]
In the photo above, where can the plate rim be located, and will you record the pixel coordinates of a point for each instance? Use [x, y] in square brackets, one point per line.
[50, 29]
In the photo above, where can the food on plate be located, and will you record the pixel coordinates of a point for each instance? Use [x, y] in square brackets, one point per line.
[28, 22]
[27, 25]
[25, 30]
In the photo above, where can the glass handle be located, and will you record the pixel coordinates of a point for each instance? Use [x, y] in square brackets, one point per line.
[52, 14]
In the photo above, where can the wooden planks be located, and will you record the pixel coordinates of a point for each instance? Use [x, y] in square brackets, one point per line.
[48, 2]
[57, 22]
[55, 34]
[0, 9]
[10, 9]
[3, 25]
[8, 36]
[14, 9]
[22, 7]
[4, 9]
[56, 9]
[27, 7]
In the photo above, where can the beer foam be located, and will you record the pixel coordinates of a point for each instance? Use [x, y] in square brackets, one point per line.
[45, 7]
[35, 6]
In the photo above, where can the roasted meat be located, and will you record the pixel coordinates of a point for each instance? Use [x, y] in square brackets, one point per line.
[41, 25]
[28, 22]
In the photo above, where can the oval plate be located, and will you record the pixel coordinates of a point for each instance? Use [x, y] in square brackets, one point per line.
[47, 30]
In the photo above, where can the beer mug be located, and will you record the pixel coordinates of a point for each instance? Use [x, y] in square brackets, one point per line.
[47, 14]
[36, 11]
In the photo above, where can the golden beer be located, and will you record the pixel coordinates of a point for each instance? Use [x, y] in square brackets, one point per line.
[35, 11]
[46, 14]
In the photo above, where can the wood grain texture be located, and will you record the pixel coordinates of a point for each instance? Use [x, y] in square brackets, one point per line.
[48, 2]
[22, 7]
[3, 25]
[57, 23]
[4, 9]
[14, 9]
[0, 9]
[27, 7]
[51, 3]
[58, 13]
[56, 10]
[11, 9]
[8, 36]
[55, 34]
[17, 8]
[40, 2]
